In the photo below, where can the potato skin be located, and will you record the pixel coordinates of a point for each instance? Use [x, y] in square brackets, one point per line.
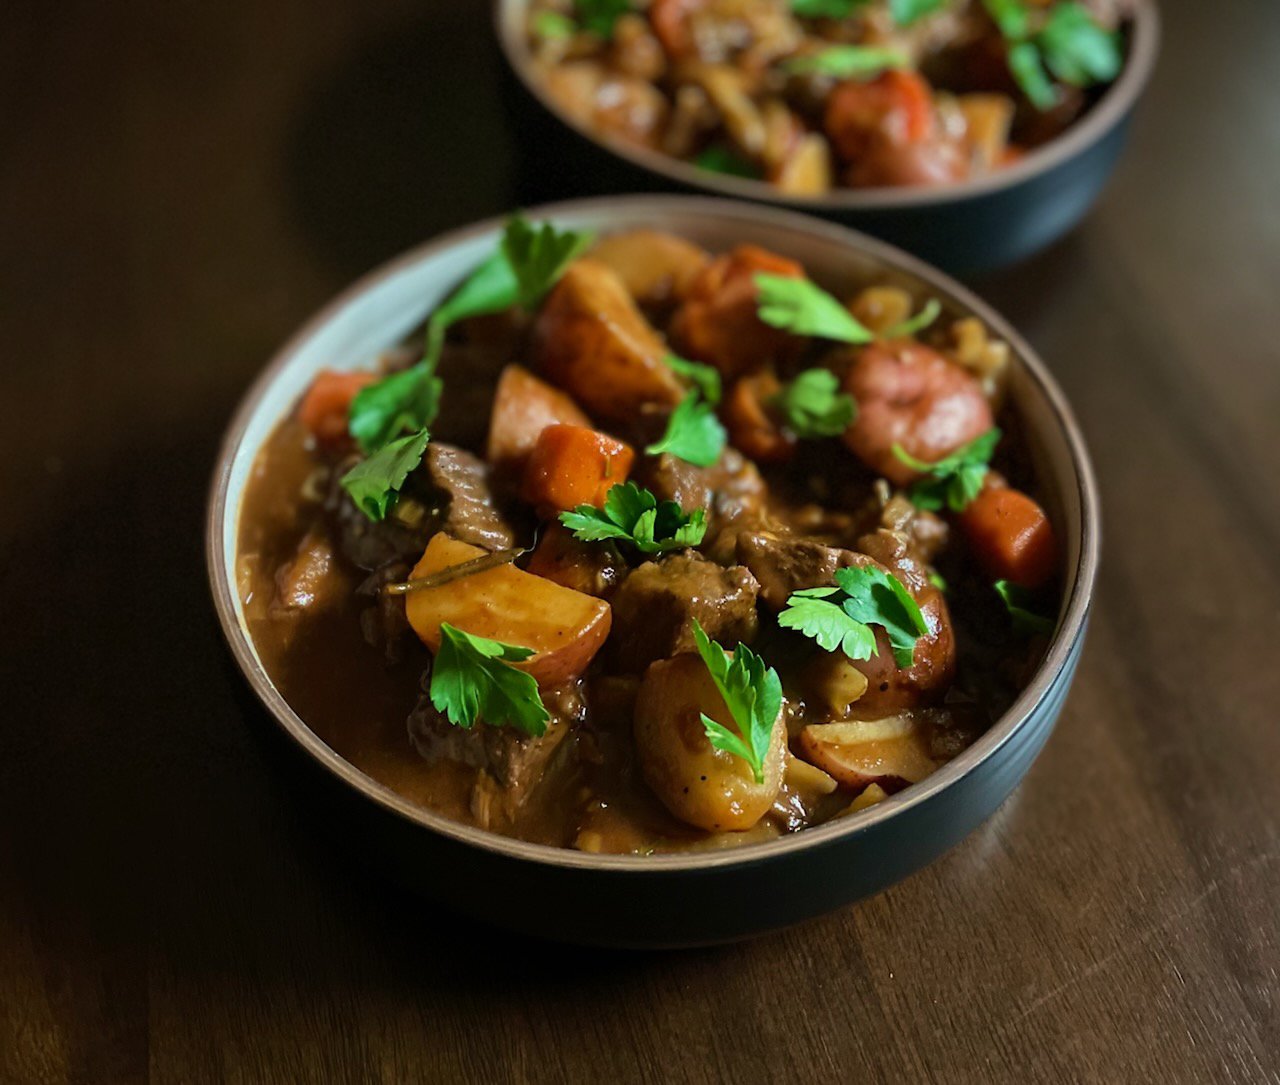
[705, 787]
[591, 340]
[565, 628]
[652, 265]
[523, 406]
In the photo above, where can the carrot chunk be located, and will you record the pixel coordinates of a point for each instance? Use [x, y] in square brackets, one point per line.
[1011, 537]
[324, 408]
[574, 465]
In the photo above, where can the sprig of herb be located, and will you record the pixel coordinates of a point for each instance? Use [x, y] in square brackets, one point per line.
[1070, 45]
[842, 616]
[916, 324]
[721, 159]
[812, 405]
[633, 515]
[471, 679]
[1018, 602]
[803, 308]
[599, 16]
[752, 692]
[955, 480]
[848, 62]
[705, 378]
[693, 433]
[906, 12]
[374, 482]
[825, 9]
[553, 25]
[527, 263]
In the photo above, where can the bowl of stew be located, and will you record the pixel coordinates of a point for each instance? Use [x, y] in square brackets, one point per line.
[656, 570]
[970, 132]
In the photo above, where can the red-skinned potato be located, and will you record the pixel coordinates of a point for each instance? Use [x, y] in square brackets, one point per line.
[890, 752]
[523, 406]
[701, 785]
[564, 628]
[591, 340]
[653, 266]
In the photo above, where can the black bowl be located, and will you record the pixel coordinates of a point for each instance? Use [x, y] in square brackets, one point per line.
[968, 227]
[699, 897]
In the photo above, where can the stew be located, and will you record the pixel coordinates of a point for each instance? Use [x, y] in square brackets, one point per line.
[811, 95]
[641, 548]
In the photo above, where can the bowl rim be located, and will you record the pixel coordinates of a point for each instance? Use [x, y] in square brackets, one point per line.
[1004, 730]
[1115, 104]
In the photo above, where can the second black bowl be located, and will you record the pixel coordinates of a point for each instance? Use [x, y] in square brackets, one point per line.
[972, 226]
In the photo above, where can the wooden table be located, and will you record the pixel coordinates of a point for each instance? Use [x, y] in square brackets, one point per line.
[180, 185]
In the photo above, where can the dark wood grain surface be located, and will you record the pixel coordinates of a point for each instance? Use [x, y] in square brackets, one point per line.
[180, 185]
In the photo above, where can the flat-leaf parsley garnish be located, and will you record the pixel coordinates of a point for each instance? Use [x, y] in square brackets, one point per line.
[633, 515]
[804, 308]
[955, 480]
[848, 61]
[812, 405]
[471, 679]
[1019, 602]
[752, 692]
[705, 378]
[842, 616]
[693, 432]
[374, 482]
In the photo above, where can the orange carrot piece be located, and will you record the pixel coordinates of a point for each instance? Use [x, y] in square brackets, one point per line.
[752, 430]
[523, 406]
[574, 465]
[324, 408]
[1011, 537]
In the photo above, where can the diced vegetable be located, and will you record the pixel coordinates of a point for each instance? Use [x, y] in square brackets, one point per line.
[704, 786]
[592, 341]
[324, 408]
[564, 628]
[572, 466]
[653, 266]
[1011, 537]
[896, 106]
[873, 794]
[523, 406]
[753, 429]
[892, 751]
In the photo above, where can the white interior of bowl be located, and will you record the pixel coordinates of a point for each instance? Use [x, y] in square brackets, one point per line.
[380, 310]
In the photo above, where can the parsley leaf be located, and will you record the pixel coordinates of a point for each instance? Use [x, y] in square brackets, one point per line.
[374, 482]
[848, 61]
[1077, 49]
[803, 308]
[407, 400]
[553, 25]
[721, 159]
[1018, 601]
[906, 12]
[1027, 68]
[864, 595]
[825, 9]
[915, 324]
[634, 515]
[812, 405]
[752, 692]
[598, 16]
[471, 679]
[538, 256]
[955, 480]
[705, 378]
[1011, 17]
[693, 433]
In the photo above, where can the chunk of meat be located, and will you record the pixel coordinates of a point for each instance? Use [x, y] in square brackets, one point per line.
[464, 504]
[785, 565]
[731, 489]
[591, 568]
[700, 784]
[717, 323]
[523, 406]
[753, 425]
[311, 580]
[590, 339]
[370, 544]
[656, 606]
[911, 395]
[652, 265]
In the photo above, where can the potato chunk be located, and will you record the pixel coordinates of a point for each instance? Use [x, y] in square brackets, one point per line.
[591, 340]
[565, 628]
[523, 407]
[653, 266]
[892, 751]
[706, 787]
